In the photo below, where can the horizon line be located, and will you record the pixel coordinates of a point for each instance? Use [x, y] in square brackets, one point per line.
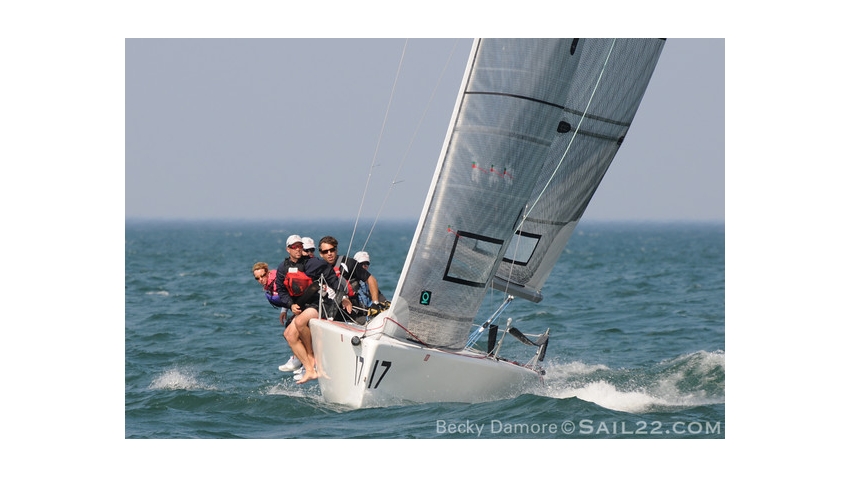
[395, 219]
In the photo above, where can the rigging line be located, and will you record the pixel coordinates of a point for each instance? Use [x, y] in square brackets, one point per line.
[578, 127]
[516, 250]
[377, 147]
[410, 144]
[561, 161]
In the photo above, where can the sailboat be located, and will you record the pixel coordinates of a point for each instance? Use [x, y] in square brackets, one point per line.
[535, 126]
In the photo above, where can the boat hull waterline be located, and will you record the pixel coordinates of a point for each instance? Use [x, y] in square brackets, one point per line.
[362, 367]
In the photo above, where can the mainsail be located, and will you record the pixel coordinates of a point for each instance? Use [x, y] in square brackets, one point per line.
[523, 104]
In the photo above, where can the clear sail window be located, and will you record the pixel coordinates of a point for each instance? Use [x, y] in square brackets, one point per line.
[521, 248]
[472, 259]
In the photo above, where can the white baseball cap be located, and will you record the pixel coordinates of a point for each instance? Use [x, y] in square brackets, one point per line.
[308, 243]
[293, 239]
[361, 256]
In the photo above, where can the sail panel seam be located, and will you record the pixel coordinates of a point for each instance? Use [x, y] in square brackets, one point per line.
[511, 95]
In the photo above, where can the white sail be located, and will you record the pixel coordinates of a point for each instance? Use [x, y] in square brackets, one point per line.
[535, 126]
[595, 119]
[504, 139]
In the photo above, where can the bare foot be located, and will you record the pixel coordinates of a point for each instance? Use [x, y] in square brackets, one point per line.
[308, 375]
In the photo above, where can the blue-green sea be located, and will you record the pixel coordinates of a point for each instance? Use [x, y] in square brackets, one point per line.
[637, 347]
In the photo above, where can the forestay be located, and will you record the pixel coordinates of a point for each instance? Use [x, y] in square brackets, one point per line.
[523, 104]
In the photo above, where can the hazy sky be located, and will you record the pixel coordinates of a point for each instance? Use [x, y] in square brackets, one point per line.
[265, 129]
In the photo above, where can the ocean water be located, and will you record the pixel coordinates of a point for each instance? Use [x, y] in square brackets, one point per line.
[637, 347]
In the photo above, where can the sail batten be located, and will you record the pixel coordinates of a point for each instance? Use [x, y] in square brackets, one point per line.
[536, 122]
[597, 118]
[510, 95]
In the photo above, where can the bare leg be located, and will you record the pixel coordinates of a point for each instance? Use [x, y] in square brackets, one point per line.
[302, 326]
[294, 340]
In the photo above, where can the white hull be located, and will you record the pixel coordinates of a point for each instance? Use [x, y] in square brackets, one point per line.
[381, 370]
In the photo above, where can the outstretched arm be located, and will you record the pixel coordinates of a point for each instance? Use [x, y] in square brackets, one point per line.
[373, 289]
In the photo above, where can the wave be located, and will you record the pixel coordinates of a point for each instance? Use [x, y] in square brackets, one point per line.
[686, 381]
[290, 389]
[179, 379]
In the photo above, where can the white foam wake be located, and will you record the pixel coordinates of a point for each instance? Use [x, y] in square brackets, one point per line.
[179, 379]
[687, 381]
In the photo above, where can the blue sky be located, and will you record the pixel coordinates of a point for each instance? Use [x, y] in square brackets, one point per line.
[282, 128]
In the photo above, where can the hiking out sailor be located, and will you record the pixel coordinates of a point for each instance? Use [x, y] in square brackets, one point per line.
[291, 281]
[308, 283]
[266, 278]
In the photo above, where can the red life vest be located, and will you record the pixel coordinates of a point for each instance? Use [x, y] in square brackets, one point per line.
[271, 285]
[296, 281]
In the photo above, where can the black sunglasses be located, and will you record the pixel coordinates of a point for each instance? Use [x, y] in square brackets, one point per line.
[328, 251]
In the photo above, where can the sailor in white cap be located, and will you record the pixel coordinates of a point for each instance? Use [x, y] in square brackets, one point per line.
[363, 292]
[309, 247]
[295, 248]
[292, 240]
[363, 258]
